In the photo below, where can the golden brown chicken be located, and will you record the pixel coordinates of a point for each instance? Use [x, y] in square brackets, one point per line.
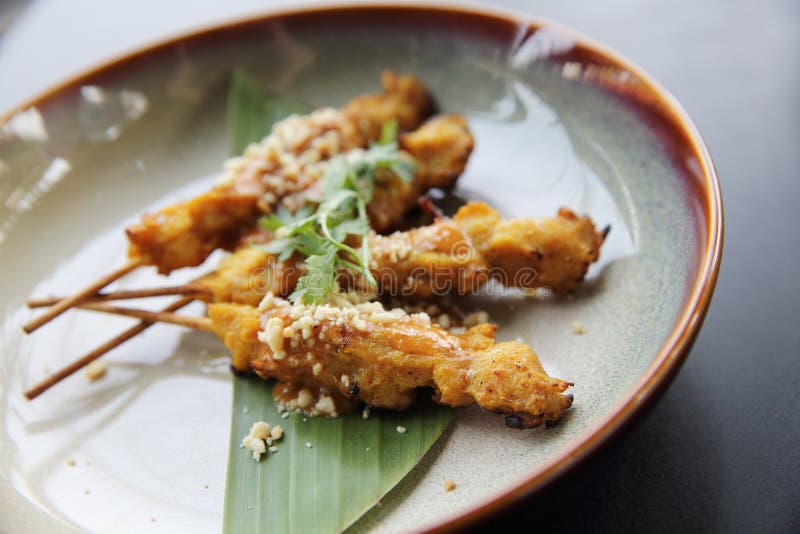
[382, 358]
[558, 249]
[451, 256]
[285, 163]
[439, 150]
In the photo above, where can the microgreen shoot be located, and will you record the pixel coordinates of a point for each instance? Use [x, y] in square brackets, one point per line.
[321, 234]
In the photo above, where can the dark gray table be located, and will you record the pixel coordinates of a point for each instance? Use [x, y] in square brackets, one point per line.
[721, 450]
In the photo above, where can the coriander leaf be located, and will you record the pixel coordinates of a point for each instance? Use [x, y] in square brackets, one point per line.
[283, 217]
[270, 222]
[284, 248]
[389, 132]
[336, 174]
[404, 169]
[321, 236]
[319, 279]
[350, 227]
[310, 243]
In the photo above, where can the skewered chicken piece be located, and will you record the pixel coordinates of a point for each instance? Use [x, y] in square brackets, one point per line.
[439, 149]
[382, 358]
[450, 256]
[286, 162]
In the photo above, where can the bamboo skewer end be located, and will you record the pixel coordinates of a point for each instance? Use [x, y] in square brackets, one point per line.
[125, 294]
[114, 342]
[82, 295]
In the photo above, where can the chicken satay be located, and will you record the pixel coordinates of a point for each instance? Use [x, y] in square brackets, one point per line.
[533, 252]
[382, 358]
[439, 149]
[461, 254]
[451, 256]
[285, 162]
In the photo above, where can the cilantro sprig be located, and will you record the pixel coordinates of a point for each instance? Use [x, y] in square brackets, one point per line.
[320, 234]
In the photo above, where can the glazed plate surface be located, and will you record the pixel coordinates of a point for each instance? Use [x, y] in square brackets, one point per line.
[557, 122]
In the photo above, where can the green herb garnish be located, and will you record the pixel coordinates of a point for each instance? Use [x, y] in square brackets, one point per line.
[348, 186]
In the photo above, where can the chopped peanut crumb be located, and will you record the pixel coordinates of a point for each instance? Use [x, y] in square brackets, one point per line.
[577, 328]
[449, 485]
[305, 398]
[476, 318]
[260, 430]
[402, 429]
[340, 310]
[260, 438]
[95, 370]
[272, 335]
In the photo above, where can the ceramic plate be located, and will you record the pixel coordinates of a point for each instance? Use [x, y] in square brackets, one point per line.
[558, 120]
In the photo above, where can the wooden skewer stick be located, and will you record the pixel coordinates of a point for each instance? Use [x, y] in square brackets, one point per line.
[80, 296]
[125, 294]
[112, 343]
[195, 323]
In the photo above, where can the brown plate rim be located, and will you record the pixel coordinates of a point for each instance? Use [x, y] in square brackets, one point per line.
[673, 352]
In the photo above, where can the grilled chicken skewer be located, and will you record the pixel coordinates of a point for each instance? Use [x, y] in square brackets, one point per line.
[381, 358]
[330, 358]
[451, 256]
[183, 235]
[286, 163]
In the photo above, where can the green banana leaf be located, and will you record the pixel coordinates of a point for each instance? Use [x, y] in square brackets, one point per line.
[326, 472]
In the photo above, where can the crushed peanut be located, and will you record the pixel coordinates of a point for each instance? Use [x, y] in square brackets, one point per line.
[260, 430]
[577, 328]
[343, 308]
[476, 318]
[305, 398]
[256, 445]
[325, 406]
[396, 247]
[260, 437]
[272, 336]
[267, 302]
[449, 485]
[95, 370]
[294, 154]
